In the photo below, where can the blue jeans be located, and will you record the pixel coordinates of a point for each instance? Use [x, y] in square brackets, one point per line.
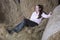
[25, 22]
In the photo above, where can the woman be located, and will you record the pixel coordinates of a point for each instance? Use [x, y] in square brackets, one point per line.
[35, 19]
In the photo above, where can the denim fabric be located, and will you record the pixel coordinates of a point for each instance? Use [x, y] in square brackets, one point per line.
[25, 22]
[19, 26]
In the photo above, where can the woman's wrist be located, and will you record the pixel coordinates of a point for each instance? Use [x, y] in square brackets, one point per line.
[50, 13]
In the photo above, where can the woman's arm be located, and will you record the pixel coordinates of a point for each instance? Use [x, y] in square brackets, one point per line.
[46, 16]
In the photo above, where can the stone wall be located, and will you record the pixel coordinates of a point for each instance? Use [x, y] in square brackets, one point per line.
[53, 26]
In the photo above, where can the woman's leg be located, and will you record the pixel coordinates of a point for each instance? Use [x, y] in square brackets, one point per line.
[25, 22]
[18, 28]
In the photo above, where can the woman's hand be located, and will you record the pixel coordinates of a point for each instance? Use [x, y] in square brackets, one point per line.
[50, 13]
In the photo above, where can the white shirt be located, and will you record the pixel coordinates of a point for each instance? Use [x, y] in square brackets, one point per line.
[34, 17]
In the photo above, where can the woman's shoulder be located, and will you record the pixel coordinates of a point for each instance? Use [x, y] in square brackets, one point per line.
[34, 12]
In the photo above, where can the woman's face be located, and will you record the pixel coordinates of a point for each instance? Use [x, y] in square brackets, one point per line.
[37, 9]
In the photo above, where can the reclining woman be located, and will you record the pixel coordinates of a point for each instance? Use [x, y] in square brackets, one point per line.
[34, 20]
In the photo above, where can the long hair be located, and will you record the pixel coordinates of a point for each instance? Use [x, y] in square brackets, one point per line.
[40, 11]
